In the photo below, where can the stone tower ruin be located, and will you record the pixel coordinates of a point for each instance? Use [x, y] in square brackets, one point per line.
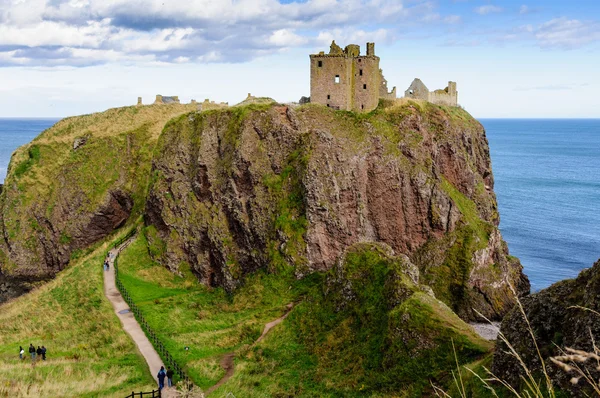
[344, 79]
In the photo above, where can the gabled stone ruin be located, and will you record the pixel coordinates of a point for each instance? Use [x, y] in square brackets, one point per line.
[447, 96]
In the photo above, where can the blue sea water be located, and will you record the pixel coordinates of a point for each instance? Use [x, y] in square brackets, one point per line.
[547, 175]
[17, 132]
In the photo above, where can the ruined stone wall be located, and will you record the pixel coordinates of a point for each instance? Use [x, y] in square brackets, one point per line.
[441, 97]
[345, 82]
[447, 96]
[324, 88]
[366, 82]
[383, 88]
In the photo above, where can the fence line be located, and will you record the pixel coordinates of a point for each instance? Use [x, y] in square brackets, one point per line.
[151, 394]
[158, 345]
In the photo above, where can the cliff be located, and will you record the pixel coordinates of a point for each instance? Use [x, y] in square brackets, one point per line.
[270, 186]
[265, 186]
[72, 186]
[565, 315]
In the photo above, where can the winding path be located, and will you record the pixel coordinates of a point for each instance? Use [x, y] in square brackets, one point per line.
[227, 361]
[130, 325]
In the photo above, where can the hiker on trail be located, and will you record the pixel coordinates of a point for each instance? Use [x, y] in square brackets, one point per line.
[39, 352]
[43, 353]
[21, 352]
[169, 377]
[32, 352]
[161, 378]
[107, 266]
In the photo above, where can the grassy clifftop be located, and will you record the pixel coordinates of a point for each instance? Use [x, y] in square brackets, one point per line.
[74, 184]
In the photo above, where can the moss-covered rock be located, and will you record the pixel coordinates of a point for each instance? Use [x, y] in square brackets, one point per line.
[564, 315]
[270, 186]
[72, 186]
[381, 328]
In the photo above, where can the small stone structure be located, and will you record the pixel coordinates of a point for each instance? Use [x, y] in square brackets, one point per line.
[207, 105]
[344, 79]
[447, 96]
[139, 103]
[160, 99]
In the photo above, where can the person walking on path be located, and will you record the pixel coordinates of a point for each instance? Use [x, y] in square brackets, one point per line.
[39, 353]
[21, 352]
[169, 377]
[43, 353]
[32, 352]
[161, 378]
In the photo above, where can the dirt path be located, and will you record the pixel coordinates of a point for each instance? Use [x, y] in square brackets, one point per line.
[130, 325]
[227, 361]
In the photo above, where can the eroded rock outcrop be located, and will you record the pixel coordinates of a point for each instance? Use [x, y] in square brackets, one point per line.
[63, 192]
[565, 315]
[268, 186]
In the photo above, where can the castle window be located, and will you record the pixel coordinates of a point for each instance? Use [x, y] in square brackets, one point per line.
[362, 107]
[360, 72]
[328, 105]
[320, 64]
[337, 78]
[359, 60]
[411, 92]
[364, 86]
[328, 96]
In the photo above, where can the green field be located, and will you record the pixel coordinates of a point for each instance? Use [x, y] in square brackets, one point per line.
[318, 350]
[89, 355]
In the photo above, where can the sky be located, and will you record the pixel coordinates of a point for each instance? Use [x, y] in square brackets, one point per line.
[524, 58]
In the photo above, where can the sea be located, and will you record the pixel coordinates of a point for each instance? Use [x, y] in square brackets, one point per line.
[547, 182]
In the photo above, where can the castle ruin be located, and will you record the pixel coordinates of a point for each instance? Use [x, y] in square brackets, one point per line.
[344, 79]
[160, 99]
[447, 96]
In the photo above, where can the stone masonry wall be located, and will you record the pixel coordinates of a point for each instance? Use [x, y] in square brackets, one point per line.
[345, 80]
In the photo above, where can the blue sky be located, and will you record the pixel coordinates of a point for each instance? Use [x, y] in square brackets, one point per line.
[510, 58]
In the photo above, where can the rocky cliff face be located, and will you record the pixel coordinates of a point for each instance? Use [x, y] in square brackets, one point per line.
[563, 315]
[72, 186]
[270, 186]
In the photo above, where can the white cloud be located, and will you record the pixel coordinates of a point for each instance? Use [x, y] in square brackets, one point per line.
[286, 38]
[524, 9]
[567, 33]
[198, 30]
[489, 9]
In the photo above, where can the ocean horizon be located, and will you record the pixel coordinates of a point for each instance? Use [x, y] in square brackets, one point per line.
[547, 183]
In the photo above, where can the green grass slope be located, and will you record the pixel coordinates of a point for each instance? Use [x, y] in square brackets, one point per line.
[370, 332]
[89, 354]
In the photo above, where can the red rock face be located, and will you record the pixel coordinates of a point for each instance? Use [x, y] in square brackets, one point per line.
[398, 177]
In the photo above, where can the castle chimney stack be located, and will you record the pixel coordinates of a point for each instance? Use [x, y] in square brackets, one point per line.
[370, 49]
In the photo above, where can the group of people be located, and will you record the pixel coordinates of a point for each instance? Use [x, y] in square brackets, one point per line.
[38, 353]
[162, 375]
[106, 264]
